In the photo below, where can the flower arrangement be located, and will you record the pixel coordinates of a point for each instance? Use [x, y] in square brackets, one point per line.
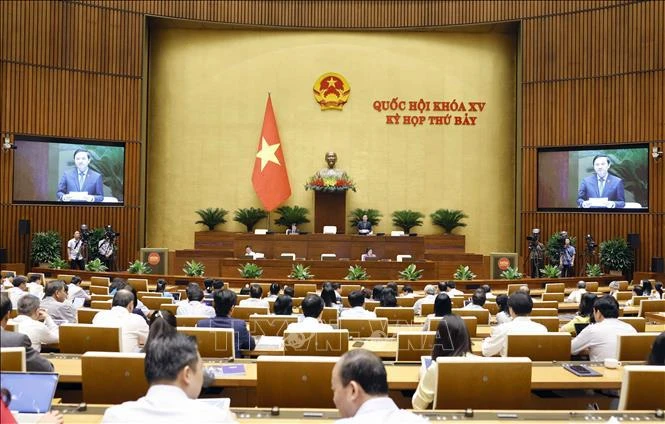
[330, 184]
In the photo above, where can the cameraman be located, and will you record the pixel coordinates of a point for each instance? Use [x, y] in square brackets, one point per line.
[567, 258]
[74, 253]
[107, 248]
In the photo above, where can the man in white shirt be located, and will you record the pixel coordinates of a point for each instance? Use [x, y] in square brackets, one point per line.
[134, 329]
[311, 306]
[520, 306]
[430, 295]
[56, 304]
[74, 254]
[576, 295]
[193, 306]
[488, 292]
[35, 322]
[357, 300]
[19, 289]
[174, 370]
[452, 291]
[74, 290]
[254, 300]
[600, 339]
[360, 391]
[477, 300]
[35, 287]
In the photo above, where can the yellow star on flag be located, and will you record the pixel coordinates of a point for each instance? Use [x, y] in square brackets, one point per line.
[267, 153]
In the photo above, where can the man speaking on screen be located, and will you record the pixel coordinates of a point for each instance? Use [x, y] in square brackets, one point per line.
[601, 190]
[81, 184]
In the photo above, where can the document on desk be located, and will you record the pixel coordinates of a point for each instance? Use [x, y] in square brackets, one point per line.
[226, 370]
[269, 342]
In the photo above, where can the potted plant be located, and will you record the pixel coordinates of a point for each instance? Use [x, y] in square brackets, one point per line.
[615, 255]
[410, 273]
[551, 271]
[249, 217]
[407, 219]
[463, 272]
[211, 217]
[250, 270]
[511, 274]
[554, 247]
[448, 219]
[138, 267]
[300, 272]
[96, 265]
[356, 272]
[373, 216]
[194, 269]
[46, 247]
[58, 263]
[593, 270]
[96, 235]
[291, 215]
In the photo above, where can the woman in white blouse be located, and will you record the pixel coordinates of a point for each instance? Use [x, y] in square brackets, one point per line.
[503, 316]
[452, 339]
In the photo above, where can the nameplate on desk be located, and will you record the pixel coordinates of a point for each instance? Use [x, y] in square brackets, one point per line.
[224, 370]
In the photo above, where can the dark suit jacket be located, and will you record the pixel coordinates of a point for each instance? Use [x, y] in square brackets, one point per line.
[33, 360]
[613, 190]
[362, 225]
[243, 339]
[70, 182]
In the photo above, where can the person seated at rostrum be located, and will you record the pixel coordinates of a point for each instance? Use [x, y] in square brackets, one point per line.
[134, 328]
[193, 306]
[452, 339]
[520, 306]
[224, 301]
[357, 300]
[576, 295]
[443, 306]
[583, 315]
[477, 301]
[56, 304]
[600, 339]
[369, 254]
[360, 391]
[34, 322]
[174, 371]
[312, 307]
[254, 300]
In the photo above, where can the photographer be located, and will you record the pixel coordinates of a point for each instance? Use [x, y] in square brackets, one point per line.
[74, 252]
[107, 247]
[536, 253]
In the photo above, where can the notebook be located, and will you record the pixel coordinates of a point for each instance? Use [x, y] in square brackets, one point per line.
[31, 392]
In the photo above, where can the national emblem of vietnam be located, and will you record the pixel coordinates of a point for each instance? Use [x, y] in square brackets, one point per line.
[331, 91]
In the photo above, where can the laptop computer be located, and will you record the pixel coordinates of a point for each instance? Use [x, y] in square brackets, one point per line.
[579, 326]
[31, 392]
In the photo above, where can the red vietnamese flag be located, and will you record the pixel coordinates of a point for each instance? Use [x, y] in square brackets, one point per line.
[269, 178]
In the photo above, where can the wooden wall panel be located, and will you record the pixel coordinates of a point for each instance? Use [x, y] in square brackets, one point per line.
[593, 73]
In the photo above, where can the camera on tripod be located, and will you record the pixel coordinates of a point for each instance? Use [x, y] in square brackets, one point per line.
[590, 243]
[85, 233]
[533, 238]
[109, 234]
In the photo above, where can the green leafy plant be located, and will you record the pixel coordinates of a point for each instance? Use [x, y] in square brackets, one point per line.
[96, 265]
[58, 263]
[211, 217]
[291, 215]
[410, 273]
[96, 235]
[300, 272]
[511, 274]
[448, 219]
[357, 272]
[138, 267]
[463, 272]
[249, 217]
[250, 270]
[111, 164]
[373, 216]
[616, 255]
[46, 247]
[194, 269]
[593, 270]
[554, 246]
[407, 219]
[551, 271]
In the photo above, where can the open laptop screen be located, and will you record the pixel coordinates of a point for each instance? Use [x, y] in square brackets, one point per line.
[31, 392]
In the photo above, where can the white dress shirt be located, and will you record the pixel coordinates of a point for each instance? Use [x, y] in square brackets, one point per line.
[417, 307]
[498, 341]
[424, 394]
[166, 404]
[309, 324]
[474, 307]
[382, 410]
[502, 318]
[36, 289]
[575, 296]
[254, 303]
[39, 332]
[357, 312]
[455, 292]
[601, 338]
[134, 329]
[74, 291]
[74, 249]
[194, 308]
[15, 294]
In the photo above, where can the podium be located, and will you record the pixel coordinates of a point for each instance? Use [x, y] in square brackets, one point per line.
[330, 209]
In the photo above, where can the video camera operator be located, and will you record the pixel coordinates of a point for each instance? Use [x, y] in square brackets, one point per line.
[536, 253]
[107, 247]
[75, 252]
